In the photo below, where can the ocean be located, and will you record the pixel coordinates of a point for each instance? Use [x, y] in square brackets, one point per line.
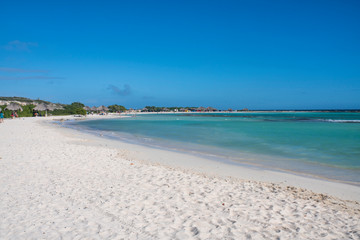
[318, 144]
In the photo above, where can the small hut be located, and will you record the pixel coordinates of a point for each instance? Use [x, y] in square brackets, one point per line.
[200, 109]
[51, 107]
[210, 109]
[41, 107]
[14, 107]
[88, 109]
[47, 107]
[102, 108]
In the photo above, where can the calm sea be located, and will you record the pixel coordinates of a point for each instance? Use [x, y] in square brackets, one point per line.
[313, 143]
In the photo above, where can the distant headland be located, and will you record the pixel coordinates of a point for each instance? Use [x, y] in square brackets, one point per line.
[26, 107]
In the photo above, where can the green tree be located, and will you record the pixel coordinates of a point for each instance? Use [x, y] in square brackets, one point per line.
[154, 109]
[27, 111]
[116, 108]
[80, 111]
[74, 108]
[76, 105]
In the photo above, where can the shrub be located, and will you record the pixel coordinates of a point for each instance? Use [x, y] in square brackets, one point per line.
[80, 111]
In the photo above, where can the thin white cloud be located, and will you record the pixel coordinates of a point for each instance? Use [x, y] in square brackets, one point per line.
[17, 45]
[28, 78]
[20, 70]
[25, 74]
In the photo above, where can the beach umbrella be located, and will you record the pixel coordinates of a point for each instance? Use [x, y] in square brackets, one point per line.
[40, 107]
[51, 107]
[14, 107]
[87, 108]
[94, 108]
[211, 109]
[200, 109]
[46, 107]
[102, 108]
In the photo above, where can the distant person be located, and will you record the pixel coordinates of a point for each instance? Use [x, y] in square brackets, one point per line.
[16, 115]
[1, 117]
[12, 115]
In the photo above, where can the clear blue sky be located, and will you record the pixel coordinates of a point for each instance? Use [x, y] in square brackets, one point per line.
[225, 54]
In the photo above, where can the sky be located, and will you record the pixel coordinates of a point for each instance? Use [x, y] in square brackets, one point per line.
[226, 54]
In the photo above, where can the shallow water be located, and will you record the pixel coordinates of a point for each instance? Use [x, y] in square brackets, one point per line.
[321, 144]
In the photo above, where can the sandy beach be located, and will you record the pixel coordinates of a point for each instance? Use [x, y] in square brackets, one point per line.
[58, 183]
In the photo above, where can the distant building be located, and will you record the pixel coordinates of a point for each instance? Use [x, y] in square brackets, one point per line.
[200, 109]
[185, 110]
[211, 109]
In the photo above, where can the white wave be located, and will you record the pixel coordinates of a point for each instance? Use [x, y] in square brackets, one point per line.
[341, 121]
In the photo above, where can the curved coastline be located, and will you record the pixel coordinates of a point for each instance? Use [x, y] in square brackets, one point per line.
[315, 170]
[215, 166]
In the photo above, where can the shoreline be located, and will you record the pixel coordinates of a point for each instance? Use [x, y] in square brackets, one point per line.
[311, 170]
[210, 165]
[243, 162]
[61, 183]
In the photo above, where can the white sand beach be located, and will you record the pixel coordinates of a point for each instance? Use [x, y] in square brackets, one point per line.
[58, 183]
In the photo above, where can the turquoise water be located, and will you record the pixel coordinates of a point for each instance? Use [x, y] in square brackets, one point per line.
[321, 144]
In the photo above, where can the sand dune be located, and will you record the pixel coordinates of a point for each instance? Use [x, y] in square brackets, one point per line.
[57, 184]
